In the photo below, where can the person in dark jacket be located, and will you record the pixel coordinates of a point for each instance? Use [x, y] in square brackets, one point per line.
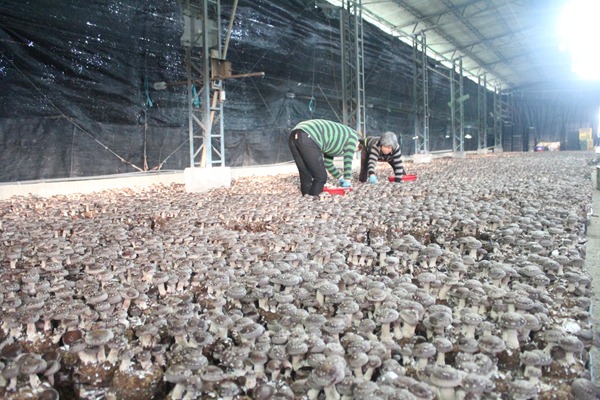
[314, 144]
[383, 148]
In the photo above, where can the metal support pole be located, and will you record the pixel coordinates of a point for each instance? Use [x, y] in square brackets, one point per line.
[188, 62]
[353, 82]
[498, 120]
[482, 112]
[207, 151]
[202, 36]
[420, 94]
[457, 99]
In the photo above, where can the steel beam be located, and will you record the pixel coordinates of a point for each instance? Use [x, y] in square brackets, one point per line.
[420, 94]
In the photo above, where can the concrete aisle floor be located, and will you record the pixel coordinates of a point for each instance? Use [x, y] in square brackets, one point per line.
[592, 264]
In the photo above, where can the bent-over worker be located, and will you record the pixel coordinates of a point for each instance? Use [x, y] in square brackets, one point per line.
[314, 144]
[383, 148]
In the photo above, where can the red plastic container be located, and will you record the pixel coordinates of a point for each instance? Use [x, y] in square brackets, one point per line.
[337, 190]
[404, 178]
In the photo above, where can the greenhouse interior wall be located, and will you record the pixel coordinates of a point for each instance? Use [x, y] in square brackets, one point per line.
[78, 96]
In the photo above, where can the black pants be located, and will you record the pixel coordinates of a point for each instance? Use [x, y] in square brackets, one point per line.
[364, 164]
[309, 160]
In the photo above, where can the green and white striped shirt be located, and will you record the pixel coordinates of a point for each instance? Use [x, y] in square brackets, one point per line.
[334, 139]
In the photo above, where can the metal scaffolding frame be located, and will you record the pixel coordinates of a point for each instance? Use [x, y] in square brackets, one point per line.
[457, 108]
[353, 71]
[420, 93]
[202, 43]
[499, 117]
[482, 112]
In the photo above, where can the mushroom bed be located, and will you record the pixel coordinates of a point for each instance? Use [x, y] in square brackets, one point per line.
[467, 283]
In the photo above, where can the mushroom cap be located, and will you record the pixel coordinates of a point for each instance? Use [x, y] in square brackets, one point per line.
[147, 329]
[264, 391]
[365, 390]
[192, 358]
[354, 342]
[523, 302]
[313, 360]
[439, 319]
[236, 291]
[584, 389]
[278, 352]
[203, 338]
[553, 335]
[536, 357]
[296, 346]
[286, 279]
[11, 370]
[571, 343]
[49, 394]
[421, 296]
[160, 277]
[212, 373]
[329, 372]
[442, 344]
[410, 316]
[386, 315]
[445, 376]
[348, 306]
[426, 277]
[98, 337]
[228, 389]
[357, 359]
[423, 350]
[77, 346]
[468, 345]
[491, 344]
[328, 288]
[530, 358]
[512, 320]
[335, 325]
[376, 295]
[251, 331]
[523, 388]
[314, 320]
[31, 363]
[473, 383]
[532, 322]
[422, 391]
[470, 318]
[346, 386]
[258, 357]
[96, 297]
[72, 336]
[334, 348]
[177, 373]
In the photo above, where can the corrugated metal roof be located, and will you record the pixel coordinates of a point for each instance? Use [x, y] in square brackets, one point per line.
[513, 42]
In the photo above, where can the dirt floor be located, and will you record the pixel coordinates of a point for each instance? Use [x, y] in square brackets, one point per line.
[593, 266]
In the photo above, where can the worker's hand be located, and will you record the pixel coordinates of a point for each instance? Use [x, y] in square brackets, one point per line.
[347, 184]
[373, 178]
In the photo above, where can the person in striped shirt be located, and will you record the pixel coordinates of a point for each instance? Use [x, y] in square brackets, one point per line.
[313, 144]
[383, 148]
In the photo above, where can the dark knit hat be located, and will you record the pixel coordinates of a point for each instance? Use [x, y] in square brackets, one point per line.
[388, 139]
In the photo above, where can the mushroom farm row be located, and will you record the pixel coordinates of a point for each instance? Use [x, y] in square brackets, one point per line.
[468, 283]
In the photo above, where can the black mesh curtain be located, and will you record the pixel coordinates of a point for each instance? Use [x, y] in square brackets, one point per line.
[78, 95]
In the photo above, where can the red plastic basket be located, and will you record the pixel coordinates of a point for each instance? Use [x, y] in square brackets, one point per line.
[337, 190]
[404, 178]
